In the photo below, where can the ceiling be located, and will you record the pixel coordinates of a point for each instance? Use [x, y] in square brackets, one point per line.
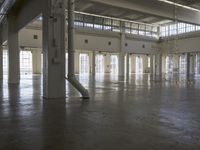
[105, 9]
[144, 11]
[1, 2]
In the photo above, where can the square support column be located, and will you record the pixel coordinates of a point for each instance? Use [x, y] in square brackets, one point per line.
[127, 65]
[36, 57]
[1, 55]
[198, 63]
[122, 55]
[93, 63]
[13, 52]
[54, 49]
[192, 64]
[158, 64]
[152, 65]
[188, 64]
[107, 63]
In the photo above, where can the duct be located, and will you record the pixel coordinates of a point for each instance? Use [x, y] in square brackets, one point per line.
[71, 73]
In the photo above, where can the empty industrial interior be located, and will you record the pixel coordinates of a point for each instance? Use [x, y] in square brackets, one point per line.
[99, 75]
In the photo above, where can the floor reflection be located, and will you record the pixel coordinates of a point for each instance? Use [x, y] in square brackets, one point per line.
[122, 113]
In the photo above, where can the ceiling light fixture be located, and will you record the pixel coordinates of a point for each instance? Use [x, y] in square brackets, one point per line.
[180, 5]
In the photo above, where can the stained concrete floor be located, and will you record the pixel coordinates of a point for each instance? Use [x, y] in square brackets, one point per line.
[136, 115]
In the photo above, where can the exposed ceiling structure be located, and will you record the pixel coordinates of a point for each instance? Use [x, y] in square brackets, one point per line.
[145, 11]
[192, 3]
[1, 2]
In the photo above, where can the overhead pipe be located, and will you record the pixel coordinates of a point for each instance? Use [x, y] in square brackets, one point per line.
[71, 50]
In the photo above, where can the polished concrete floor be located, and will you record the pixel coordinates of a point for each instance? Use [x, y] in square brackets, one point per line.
[122, 114]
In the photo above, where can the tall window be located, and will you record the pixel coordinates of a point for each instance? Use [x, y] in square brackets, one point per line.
[149, 62]
[183, 64]
[197, 66]
[99, 64]
[84, 64]
[114, 64]
[169, 64]
[66, 63]
[25, 62]
[5, 62]
[139, 65]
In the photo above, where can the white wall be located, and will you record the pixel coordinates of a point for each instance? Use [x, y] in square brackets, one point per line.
[184, 44]
[98, 41]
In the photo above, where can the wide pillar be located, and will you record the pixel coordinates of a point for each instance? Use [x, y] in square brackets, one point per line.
[36, 58]
[127, 65]
[54, 49]
[176, 60]
[192, 64]
[188, 65]
[107, 63]
[1, 55]
[93, 63]
[158, 64]
[13, 51]
[121, 64]
[198, 63]
[152, 64]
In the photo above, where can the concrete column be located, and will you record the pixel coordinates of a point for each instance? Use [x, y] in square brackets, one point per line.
[121, 61]
[76, 63]
[13, 52]
[54, 49]
[176, 63]
[188, 64]
[93, 63]
[192, 64]
[1, 56]
[133, 63]
[127, 65]
[158, 64]
[107, 63]
[198, 63]
[36, 58]
[152, 64]
[122, 56]
[145, 63]
[121, 64]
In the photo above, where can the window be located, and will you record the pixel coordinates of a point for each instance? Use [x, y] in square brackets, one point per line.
[114, 64]
[149, 62]
[99, 63]
[139, 65]
[5, 62]
[183, 64]
[66, 63]
[169, 64]
[25, 62]
[141, 29]
[84, 64]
